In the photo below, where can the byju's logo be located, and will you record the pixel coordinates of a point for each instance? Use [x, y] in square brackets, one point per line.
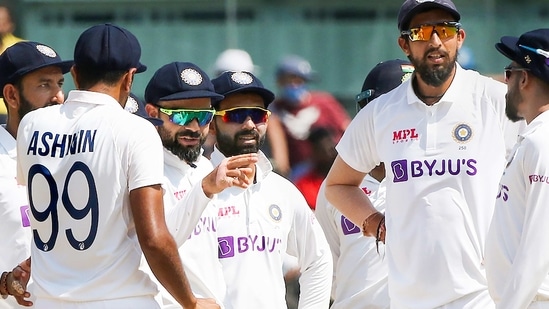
[406, 135]
[228, 247]
[402, 170]
[348, 227]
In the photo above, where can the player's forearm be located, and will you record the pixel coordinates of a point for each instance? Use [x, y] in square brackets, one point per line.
[351, 201]
[165, 263]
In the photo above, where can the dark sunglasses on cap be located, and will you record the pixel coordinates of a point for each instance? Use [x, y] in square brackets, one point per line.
[509, 69]
[424, 32]
[240, 114]
[538, 51]
[183, 117]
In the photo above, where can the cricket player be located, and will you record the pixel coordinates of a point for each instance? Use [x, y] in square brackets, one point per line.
[360, 269]
[257, 225]
[31, 77]
[93, 175]
[180, 96]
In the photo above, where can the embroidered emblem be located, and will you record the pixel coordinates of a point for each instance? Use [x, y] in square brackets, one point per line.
[242, 78]
[131, 105]
[462, 133]
[191, 77]
[46, 50]
[275, 212]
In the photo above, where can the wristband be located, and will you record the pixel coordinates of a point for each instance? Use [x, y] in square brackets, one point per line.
[371, 225]
[4, 285]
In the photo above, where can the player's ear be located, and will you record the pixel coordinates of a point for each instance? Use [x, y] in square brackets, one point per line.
[151, 110]
[213, 128]
[74, 75]
[11, 97]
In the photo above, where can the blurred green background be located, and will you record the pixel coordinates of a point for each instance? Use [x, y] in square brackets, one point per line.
[343, 40]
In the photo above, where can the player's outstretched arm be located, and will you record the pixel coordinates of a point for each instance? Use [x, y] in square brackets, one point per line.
[159, 247]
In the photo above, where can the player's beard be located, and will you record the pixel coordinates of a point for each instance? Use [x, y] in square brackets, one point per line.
[512, 100]
[230, 146]
[434, 76]
[186, 153]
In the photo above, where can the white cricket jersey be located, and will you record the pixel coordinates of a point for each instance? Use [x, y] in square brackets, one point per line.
[14, 206]
[443, 164]
[360, 272]
[187, 206]
[255, 226]
[80, 160]
[517, 247]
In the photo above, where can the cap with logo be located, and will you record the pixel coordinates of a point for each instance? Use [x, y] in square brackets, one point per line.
[231, 82]
[384, 77]
[295, 65]
[530, 50]
[136, 106]
[25, 57]
[108, 47]
[177, 81]
[410, 8]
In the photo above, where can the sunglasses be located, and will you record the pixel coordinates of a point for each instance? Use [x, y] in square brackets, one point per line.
[509, 69]
[538, 51]
[424, 32]
[183, 117]
[240, 114]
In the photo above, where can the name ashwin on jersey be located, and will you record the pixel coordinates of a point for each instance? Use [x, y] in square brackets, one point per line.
[60, 145]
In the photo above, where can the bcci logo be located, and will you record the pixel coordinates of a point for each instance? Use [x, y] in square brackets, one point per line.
[462, 133]
[275, 212]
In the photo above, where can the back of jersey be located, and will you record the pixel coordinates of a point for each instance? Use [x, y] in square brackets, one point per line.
[79, 161]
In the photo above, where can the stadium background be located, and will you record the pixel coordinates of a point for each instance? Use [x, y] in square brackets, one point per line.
[342, 39]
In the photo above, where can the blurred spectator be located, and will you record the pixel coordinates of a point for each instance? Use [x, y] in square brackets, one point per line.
[323, 146]
[7, 39]
[301, 109]
[234, 60]
[240, 60]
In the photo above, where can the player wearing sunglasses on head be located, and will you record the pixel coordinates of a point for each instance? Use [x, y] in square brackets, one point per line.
[441, 136]
[181, 95]
[258, 225]
[517, 245]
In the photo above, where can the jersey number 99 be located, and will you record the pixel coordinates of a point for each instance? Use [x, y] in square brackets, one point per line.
[91, 208]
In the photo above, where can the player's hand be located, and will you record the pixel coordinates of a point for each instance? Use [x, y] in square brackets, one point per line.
[17, 282]
[206, 303]
[234, 171]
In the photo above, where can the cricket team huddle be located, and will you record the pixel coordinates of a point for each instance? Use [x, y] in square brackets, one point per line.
[432, 196]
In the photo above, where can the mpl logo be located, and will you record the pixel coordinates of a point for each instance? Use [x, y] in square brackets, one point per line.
[403, 171]
[407, 135]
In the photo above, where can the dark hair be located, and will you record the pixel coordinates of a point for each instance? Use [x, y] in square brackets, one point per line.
[88, 76]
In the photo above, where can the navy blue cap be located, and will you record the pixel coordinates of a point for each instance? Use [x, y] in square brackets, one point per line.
[179, 81]
[108, 47]
[384, 77]
[231, 82]
[136, 106]
[530, 50]
[410, 8]
[295, 65]
[25, 57]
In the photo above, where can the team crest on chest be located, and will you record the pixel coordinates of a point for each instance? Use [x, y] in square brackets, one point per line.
[275, 212]
[462, 133]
